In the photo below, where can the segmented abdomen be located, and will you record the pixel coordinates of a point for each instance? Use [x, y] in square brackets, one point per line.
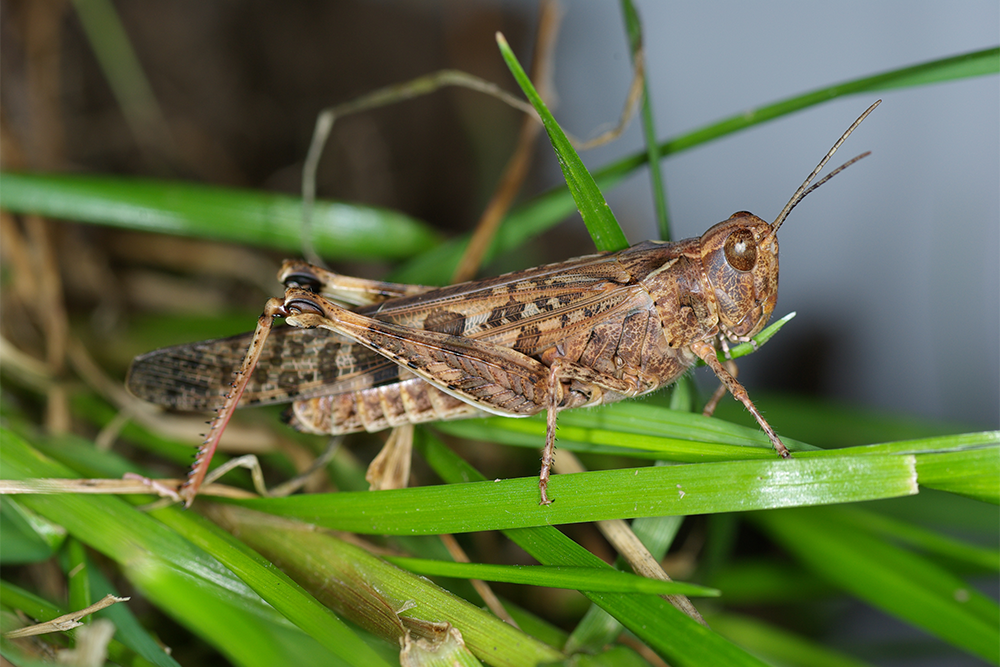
[408, 402]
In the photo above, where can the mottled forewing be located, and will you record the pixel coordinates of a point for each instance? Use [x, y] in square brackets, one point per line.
[294, 364]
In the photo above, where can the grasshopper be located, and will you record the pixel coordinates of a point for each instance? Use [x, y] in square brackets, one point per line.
[364, 355]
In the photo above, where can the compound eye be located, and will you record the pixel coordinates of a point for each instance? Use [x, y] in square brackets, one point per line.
[741, 250]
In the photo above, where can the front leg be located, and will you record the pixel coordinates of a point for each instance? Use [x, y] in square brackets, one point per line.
[720, 391]
[706, 351]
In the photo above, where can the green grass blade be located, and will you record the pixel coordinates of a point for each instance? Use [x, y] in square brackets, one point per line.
[33, 606]
[889, 577]
[223, 214]
[605, 494]
[647, 430]
[977, 63]
[958, 442]
[78, 578]
[633, 28]
[578, 578]
[596, 213]
[638, 429]
[974, 473]
[27, 537]
[123, 72]
[832, 425]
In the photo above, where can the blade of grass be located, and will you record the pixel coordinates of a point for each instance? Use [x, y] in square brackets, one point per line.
[590, 202]
[26, 533]
[78, 578]
[633, 28]
[123, 72]
[223, 214]
[831, 425]
[974, 473]
[647, 430]
[634, 429]
[578, 578]
[605, 494]
[976, 63]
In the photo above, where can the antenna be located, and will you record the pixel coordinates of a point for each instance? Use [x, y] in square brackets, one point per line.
[804, 189]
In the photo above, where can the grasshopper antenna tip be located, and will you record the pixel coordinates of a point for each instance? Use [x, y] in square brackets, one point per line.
[805, 188]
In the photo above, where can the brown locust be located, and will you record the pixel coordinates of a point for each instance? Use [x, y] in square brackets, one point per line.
[362, 355]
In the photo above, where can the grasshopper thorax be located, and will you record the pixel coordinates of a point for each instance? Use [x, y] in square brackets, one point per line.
[740, 261]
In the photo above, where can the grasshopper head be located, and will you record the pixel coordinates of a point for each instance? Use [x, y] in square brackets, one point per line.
[740, 258]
